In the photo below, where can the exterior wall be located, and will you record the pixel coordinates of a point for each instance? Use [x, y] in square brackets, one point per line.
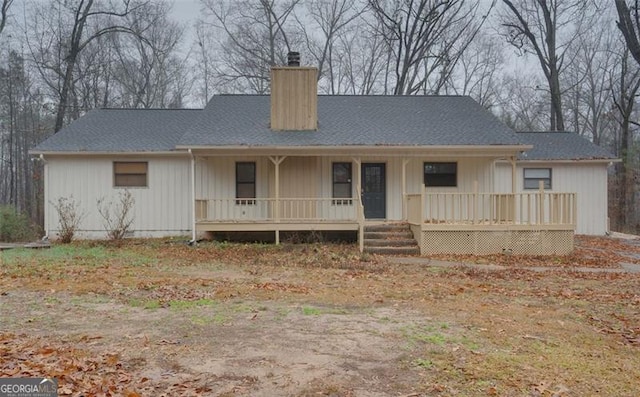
[470, 170]
[216, 176]
[310, 177]
[161, 209]
[588, 180]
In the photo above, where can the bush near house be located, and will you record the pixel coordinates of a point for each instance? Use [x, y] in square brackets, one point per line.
[14, 225]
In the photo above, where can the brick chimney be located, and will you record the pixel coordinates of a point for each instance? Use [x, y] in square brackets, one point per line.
[294, 96]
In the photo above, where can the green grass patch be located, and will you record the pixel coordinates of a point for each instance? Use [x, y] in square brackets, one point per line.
[220, 319]
[145, 303]
[187, 304]
[423, 363]
[427, 334]
[316, 311]
[201, 320]
[311, 311]
[77, 254]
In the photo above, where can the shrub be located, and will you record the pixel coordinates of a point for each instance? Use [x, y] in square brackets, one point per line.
[15, 226]
[116, 216]
[69, 217]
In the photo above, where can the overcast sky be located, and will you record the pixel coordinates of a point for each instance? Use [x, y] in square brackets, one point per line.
[186, 10]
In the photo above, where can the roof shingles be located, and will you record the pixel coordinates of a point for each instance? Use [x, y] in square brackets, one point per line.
[243, 120]
[122, 130]
[561, 146]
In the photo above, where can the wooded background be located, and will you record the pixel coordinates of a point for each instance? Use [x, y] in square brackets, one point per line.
[565, 65]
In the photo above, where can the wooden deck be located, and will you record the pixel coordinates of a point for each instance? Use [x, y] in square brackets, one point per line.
[33, 245]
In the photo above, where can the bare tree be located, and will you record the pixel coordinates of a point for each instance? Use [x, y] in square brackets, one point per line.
[254, 35]
[625, 86]
[426, 39]
[629, 25]
[22, 125]
[478, 70]
[588, 96]
[4, 13]
[546, 29]
[329, 20]
[522, 105]
[363, 60]
[204, 63]
[87, 21]
[148, 71]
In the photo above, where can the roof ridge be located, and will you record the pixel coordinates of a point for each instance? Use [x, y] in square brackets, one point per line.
[546, 132]
[141, 109]
[354, 96]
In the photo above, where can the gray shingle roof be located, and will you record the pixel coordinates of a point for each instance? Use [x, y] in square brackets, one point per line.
[122, 130]
[352, 120]
[561, 146]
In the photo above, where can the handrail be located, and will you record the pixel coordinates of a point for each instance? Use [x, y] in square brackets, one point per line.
[535, 208]
[360, 210]
[281, 209]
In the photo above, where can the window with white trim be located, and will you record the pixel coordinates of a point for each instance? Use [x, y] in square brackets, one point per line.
[130, 174]
[438, 174]
[341, 178]
[533, 176]
[245, 182]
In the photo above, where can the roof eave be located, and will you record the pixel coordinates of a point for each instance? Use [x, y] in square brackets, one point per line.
[603, 160]
[377, 149]
[34, 152]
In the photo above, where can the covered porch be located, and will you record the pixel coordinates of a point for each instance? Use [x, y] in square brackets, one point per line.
[337, 192]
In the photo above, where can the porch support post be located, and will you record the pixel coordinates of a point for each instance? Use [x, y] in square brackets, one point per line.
[45, 171]
[276, 160]
[512, 160]
[193, 197]
[512, 202]
[359, 211]
[404, 188]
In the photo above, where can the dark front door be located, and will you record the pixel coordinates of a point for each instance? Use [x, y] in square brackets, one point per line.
[374, 190]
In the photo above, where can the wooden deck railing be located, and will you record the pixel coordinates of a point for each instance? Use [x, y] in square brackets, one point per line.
[278, 210]
[535, 208]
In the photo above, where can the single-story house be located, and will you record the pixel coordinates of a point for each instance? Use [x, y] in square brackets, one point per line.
[298, 161]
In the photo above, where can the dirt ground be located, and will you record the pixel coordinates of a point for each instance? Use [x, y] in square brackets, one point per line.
[160, 318]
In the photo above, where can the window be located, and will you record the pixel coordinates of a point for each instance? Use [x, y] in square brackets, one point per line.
[532, 176]
[441, 174]
[246, 182]
[341, 183]
[130, 174]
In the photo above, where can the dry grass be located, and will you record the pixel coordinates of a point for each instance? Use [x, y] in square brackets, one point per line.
[461, 332]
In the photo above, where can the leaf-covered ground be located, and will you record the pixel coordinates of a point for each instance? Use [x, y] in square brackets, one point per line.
[158, 317]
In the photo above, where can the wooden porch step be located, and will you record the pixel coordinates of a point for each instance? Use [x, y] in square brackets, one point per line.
[390, 239]
[388, 235]
[387, 227]
[390, 242]
[393, 250]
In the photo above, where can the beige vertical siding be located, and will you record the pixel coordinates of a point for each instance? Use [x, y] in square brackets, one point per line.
[294, 98]
[163, 208]
[469, 170]
[299, 177]
[588, 180]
